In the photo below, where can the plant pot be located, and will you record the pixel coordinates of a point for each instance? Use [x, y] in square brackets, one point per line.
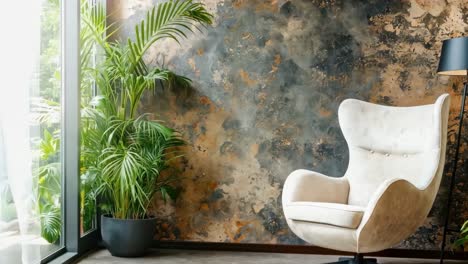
[127, 237]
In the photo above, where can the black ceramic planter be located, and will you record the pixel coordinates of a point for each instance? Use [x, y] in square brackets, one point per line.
[127, 237]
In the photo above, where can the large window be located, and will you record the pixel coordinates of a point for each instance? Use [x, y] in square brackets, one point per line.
[31, 161]
[43, 210]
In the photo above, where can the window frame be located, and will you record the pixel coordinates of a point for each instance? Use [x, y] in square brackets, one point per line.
[74, 245]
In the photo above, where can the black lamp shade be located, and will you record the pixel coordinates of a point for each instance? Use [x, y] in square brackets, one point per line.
[454, 57]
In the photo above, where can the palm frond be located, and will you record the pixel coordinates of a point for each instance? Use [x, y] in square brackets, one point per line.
[94, 27]
[166, 20]
[45, 111]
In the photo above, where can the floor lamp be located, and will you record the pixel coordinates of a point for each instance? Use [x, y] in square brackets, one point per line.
[454, 61]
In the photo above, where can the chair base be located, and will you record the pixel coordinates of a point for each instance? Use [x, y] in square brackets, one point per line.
[357, 259]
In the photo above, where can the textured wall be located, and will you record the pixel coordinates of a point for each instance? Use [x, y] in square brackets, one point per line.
[268, 79]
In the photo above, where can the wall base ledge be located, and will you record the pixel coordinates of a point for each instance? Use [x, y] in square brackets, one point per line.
[302, 249]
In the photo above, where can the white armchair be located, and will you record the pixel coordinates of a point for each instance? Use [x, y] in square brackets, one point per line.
[396, 160]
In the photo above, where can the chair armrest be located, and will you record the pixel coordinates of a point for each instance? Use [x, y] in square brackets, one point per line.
[394, 212]
[310, 186]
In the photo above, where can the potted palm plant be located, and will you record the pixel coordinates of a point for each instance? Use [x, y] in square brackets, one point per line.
[123, 152]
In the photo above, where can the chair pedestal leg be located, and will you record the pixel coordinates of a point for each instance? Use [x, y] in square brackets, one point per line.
[357, 259]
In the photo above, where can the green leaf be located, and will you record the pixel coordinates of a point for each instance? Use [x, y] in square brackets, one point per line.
[51, 223]
[463, 240]
[169, 191]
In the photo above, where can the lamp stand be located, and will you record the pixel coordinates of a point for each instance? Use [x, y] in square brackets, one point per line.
[454, 170]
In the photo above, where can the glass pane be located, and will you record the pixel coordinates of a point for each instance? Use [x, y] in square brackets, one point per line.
[92, 21]
[30, 132]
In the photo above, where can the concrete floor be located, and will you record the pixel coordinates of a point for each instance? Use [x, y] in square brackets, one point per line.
[215, 257]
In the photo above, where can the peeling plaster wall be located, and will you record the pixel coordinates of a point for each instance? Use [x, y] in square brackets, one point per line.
[267, 81]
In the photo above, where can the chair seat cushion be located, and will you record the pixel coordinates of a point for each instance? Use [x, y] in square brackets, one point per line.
[342, 215]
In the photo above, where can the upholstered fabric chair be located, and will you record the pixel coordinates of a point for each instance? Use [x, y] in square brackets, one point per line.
[396, 160]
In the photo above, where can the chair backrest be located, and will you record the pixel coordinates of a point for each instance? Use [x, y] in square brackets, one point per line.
[388, 142]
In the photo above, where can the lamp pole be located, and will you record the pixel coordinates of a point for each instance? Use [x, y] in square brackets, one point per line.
[454, 62]
[454, 170]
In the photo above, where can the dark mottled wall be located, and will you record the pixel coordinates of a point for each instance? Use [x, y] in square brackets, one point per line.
[267, 81]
